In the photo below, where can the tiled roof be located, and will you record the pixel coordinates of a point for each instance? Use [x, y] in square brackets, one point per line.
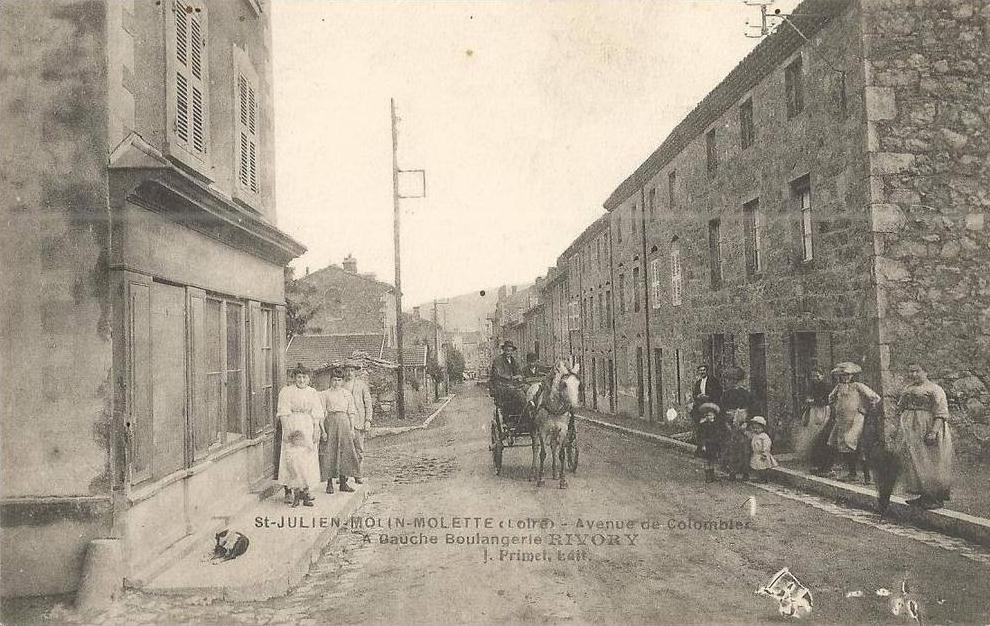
[412, 356]
[319, 351]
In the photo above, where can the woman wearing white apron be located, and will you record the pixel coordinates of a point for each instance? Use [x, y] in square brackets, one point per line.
[300, 413]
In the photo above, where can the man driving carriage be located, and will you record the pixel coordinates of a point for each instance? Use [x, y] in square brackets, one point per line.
[504, 380]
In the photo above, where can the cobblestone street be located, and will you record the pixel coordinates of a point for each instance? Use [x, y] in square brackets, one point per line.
[445, 472]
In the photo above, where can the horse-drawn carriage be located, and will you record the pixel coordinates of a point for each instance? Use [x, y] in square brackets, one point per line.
[514, 423]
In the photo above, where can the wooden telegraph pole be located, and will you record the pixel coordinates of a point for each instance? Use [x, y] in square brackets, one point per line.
[400, 401]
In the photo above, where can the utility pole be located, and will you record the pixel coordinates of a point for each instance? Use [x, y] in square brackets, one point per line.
[400, 401]
[436, 343]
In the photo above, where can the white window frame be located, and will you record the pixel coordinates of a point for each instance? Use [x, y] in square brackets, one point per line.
[807, 224]
[188, 137]
[676, 276]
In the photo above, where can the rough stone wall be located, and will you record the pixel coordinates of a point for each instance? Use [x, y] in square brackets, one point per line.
[928, 85]
[831, 295]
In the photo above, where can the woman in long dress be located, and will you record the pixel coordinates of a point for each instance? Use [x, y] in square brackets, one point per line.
[924, 440]
[338, 458]
[849, 403]
[807, 440]
[300, 413]
[737, 405]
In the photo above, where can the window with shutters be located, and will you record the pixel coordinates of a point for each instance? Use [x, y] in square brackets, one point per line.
[635, 281]
[794, 88]
[753, 235]
[573, 318]
[711, 152]
[676, 280]
[188, 84]
[655, 282]
[747, 132]
[801, 192]
[715, 252]
[622, 294]
[247, 125]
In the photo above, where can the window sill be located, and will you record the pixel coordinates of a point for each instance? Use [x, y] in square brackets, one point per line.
[144, 492]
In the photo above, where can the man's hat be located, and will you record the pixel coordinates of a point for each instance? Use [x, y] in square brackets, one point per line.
[758, 419]
[507, 345]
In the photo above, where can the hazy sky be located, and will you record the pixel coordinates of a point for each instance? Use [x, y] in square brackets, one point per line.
[526, 115]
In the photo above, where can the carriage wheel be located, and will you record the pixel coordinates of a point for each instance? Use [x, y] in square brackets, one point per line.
[496, 450]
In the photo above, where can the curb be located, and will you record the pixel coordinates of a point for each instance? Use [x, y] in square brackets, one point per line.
[398, 430]
[946, 521]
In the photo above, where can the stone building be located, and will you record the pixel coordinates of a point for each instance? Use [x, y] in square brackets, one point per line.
[827, 201]
[589, 285]
[143, 293]
[557, 308]
[344, 301]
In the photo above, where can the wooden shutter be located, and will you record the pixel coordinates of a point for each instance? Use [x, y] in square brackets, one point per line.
[200, 423]
[278, 350]
[189, 63]
[247, 124]
[139, 378]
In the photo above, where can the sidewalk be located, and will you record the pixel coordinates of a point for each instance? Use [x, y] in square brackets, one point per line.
[285, 541]
[948, 521]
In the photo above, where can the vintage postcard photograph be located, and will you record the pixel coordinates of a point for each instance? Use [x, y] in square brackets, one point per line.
[495, 312]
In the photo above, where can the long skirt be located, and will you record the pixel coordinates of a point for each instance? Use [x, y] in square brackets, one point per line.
[927, 468]
[298, 465]
[337, 454]
[804, 434]
[736, 450]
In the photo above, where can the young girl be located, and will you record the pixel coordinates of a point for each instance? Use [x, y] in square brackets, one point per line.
[709, 433]
[761, 460]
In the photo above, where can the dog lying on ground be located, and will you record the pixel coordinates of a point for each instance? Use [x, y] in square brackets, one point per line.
[230, 545]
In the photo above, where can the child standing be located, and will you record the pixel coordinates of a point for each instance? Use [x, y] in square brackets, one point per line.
[761, 459]
[708, 429]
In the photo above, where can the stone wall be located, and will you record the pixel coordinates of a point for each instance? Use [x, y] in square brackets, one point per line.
[928, 86]
[56, 308]
[830, 296]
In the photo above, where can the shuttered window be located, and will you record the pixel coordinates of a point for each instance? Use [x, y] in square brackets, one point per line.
[247, 165]
[188, 87]
[655, 282]
[675, 273]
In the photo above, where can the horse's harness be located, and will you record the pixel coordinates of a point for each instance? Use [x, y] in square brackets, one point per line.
[544, 397]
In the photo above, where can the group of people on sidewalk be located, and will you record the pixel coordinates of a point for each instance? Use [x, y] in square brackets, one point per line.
[842, 420]
[727, 435]
[319, 436]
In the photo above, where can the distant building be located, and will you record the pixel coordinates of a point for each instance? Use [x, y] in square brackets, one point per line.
[143, 292]
[346, 302]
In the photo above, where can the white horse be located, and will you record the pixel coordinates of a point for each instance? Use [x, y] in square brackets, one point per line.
[552, 403]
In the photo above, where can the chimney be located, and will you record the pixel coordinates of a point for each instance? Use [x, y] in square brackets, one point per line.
[350, 264]
[307, 270]
[513, 290]
[416, 313]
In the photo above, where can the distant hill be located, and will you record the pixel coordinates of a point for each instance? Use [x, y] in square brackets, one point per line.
[465, 312]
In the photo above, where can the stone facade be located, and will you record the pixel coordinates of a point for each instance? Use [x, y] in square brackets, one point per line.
[113, 426]
[825, 202]
[928, 106]
[345, 301]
